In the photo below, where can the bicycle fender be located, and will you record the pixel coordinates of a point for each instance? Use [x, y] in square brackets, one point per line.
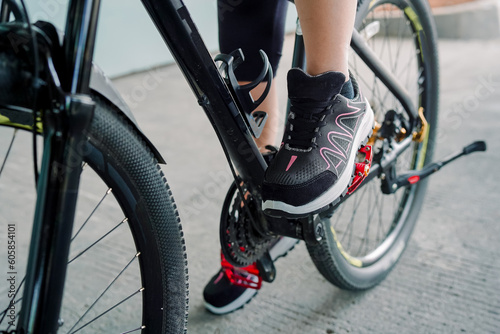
[101, 85]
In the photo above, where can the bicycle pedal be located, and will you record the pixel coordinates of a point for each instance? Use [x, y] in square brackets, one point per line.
[237, 275]
[362, 168]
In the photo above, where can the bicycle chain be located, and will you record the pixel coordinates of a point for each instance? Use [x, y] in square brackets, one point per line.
[241, 243]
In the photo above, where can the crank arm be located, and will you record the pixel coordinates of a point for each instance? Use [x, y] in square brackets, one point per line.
[418, 175]
[310, 229]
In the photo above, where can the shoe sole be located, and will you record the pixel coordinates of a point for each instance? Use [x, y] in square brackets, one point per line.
[281, 249]
[237, 304]
[281, 209]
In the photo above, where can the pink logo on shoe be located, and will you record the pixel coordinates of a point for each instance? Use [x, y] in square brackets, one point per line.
[292, 160]
[219, 277]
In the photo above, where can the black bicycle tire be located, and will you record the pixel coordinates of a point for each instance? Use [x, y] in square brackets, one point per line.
[123, 161]
[328, 256]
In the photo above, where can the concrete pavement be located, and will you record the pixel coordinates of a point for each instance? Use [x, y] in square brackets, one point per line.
[446, 282]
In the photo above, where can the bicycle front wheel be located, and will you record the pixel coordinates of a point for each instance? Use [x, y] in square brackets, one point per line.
[368, 233]
[127, 267]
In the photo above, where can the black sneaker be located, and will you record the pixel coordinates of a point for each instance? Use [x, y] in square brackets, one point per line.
[316, 161]
[231, 288]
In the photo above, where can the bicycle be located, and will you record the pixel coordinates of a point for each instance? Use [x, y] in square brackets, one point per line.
[52, 95]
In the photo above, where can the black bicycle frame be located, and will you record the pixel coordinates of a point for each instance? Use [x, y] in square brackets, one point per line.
[57, 192]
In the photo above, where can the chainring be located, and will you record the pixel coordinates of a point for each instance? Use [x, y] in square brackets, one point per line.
[241, 242]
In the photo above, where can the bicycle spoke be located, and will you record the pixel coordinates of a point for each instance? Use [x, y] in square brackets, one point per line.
[98, 240]
[405, 69]
[365, 236]
[342, 207]
[105, 290]
[400, 39]
[108, 310]
[378, 86]
[8, 151]
[380, 226]
[384, 44]
[376, 207]
[387, 35]
[134, 330]
[363, 80]
[364, 240]
[350, 225]
[92, 213]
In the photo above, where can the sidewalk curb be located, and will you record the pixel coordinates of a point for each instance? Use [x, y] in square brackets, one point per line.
[473, 20]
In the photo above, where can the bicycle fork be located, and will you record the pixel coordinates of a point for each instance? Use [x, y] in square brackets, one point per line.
[54, 214]
[64, 142]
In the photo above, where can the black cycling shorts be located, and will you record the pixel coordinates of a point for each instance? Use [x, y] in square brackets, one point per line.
[252, 25]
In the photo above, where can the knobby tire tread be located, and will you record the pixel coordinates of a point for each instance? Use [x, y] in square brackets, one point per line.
[118, 141]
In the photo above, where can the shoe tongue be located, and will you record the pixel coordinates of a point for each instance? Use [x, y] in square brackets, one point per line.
[322, 87]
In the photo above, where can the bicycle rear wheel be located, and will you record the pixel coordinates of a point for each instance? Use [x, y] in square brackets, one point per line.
[127, 266]
[368, 233]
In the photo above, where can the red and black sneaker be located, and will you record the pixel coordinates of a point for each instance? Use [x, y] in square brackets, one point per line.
[231, 288]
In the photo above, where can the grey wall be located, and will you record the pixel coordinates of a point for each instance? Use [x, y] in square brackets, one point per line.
[127, 40]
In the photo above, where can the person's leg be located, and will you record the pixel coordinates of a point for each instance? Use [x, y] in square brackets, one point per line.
[327, 28]
[253, 25]
[329, 119]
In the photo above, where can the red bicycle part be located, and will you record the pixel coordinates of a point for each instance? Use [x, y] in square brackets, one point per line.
[240, 276]
[362, 168]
